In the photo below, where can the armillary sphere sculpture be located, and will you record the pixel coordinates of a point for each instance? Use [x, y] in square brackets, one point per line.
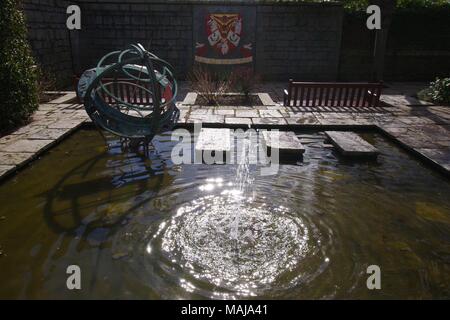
[131, 93]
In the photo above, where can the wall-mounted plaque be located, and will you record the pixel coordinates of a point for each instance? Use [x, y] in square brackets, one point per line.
[224, 35]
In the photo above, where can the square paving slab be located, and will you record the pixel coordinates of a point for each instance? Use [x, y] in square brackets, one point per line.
[4, 169]
[14, 159]
[24, 146]
[285, 142]
[351, 144]
[214, 139]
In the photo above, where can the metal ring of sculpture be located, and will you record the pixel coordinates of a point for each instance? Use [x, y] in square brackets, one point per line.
[133, 96]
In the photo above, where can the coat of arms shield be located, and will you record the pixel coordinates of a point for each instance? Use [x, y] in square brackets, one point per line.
[224, 36]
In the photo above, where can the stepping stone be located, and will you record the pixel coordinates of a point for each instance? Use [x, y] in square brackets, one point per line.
[213, 145]
[351, 144]
[212, 139]
[284, 141]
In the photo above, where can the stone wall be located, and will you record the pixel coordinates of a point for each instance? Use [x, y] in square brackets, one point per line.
[418, 47]
[306, 34]
[49, 38]
[355, 60]
[304, 41]
[298, 41]
[165, 29]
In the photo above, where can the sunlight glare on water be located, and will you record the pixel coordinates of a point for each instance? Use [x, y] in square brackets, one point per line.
[231, 241]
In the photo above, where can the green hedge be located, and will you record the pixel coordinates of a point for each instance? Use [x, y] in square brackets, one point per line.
[18, 79]
[402, 5]
[437, 92]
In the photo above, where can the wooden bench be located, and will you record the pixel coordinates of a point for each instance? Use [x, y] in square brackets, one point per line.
[332, 94]
[122, 89]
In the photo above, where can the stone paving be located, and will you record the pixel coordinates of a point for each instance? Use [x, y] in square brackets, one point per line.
[421, 127]
[49, 124]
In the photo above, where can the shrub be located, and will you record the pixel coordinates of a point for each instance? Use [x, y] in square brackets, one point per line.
[209, 85]
[244, 81]
[18, 89]
[437, 92]
[46, 81]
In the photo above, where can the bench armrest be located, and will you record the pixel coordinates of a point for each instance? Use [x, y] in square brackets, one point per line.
[370, 96]
[285, 97]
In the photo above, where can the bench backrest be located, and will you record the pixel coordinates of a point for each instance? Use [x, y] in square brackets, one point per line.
[332, 94]
[124, 90]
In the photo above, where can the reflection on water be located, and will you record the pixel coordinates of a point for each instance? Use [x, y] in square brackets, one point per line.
[146, 228]
[206, 241]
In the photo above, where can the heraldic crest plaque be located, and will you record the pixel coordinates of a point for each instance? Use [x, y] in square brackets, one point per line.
[224, 35]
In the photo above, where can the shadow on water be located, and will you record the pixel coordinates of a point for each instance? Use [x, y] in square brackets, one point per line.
[140, 176]
[97, 205]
